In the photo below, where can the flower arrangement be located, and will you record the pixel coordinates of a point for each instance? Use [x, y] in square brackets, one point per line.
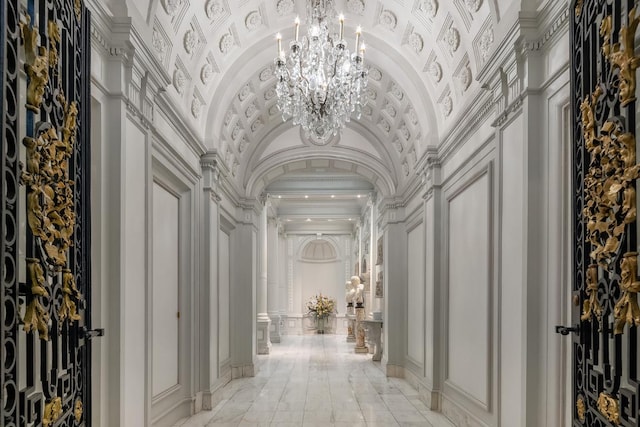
[321, 306]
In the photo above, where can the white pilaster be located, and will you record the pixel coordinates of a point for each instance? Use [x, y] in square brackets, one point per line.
[212, 170]
[243, 294]
[264, 323]
[273, 279]
[395, 301]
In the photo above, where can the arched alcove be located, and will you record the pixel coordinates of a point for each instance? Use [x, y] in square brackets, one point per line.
[319, 251]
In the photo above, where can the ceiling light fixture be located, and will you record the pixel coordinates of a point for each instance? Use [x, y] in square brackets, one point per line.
[319, 83]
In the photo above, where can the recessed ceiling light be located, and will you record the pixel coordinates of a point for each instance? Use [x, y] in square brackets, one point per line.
[333, 196]
[288, 219]
[279, 197]
[329, 220]
[306, 197]
[359, 196]
[308, 219]
[350, 219]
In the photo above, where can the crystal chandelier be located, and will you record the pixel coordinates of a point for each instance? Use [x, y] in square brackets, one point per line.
[319, 83]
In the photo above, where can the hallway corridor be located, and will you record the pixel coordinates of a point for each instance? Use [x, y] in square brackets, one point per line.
[317, 380]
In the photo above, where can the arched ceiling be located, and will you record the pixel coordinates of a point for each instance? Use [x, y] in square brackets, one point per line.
[422, 56]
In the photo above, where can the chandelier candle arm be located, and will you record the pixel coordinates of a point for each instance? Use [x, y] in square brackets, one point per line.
[297, 21]
[341, 26]
[358, 31]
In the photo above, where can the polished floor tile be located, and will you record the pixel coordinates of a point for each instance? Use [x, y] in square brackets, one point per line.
[317, 380]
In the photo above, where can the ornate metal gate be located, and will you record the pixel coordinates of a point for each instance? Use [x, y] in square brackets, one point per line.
[44, 174]
[605, 344]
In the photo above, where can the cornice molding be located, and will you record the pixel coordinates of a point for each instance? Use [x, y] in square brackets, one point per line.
[554, 19]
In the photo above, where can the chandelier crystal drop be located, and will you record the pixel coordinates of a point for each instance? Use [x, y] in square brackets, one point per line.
[319, 83]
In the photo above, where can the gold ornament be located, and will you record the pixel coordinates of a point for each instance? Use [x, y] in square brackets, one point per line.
[608, 406]
[52, 412]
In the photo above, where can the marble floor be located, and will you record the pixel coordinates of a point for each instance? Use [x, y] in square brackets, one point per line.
[317, 380]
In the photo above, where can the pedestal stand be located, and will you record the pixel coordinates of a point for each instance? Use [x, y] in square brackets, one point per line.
[351, 323]
[360, 347]
[374, 330]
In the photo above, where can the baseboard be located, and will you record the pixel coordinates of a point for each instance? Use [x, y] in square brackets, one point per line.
[458, 415]
[391, 370]
[244, 371]
[212, 397]
[429, 396]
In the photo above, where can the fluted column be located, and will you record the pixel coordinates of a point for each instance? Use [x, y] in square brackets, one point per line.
[264, 323]
[273, 279]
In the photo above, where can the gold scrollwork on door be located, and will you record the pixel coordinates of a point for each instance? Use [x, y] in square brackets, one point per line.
[592, 305]
[36, 316]
[579, 7]
[77, 5]
[623, 57]
[77, 411]
[52, 412]
[36, 65]
[69, 293]
[53, 30]
[608, 406]
[609, 182]
[581, 409]
[51, 212]
[626, 310]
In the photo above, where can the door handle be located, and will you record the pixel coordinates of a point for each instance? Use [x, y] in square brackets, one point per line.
[92, 333]
[566, 330]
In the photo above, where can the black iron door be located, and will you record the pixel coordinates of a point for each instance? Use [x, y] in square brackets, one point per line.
[606, 170]
[44, 174]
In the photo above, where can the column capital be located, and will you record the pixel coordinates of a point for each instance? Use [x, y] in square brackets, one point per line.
[430, 172]
[213, 170]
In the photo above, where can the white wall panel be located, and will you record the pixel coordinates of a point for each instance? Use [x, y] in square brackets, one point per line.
[133, 289]
[165, 301]
[468, 299]
[415, 295]
[224, 282]
[325, 278]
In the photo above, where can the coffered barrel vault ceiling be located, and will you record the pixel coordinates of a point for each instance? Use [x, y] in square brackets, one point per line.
[422, 57]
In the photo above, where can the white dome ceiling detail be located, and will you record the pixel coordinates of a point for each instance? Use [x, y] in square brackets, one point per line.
[422, 56]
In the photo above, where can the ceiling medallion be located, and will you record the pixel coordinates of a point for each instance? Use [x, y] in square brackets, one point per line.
[447, 105]
[453, 39]
[474, 5]
[435, 69]
[430, 7]
[214, 9]
[320, 84]
[465, 77]
[284, 7]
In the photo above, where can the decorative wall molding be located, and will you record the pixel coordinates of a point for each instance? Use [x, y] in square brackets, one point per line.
[557, 25]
